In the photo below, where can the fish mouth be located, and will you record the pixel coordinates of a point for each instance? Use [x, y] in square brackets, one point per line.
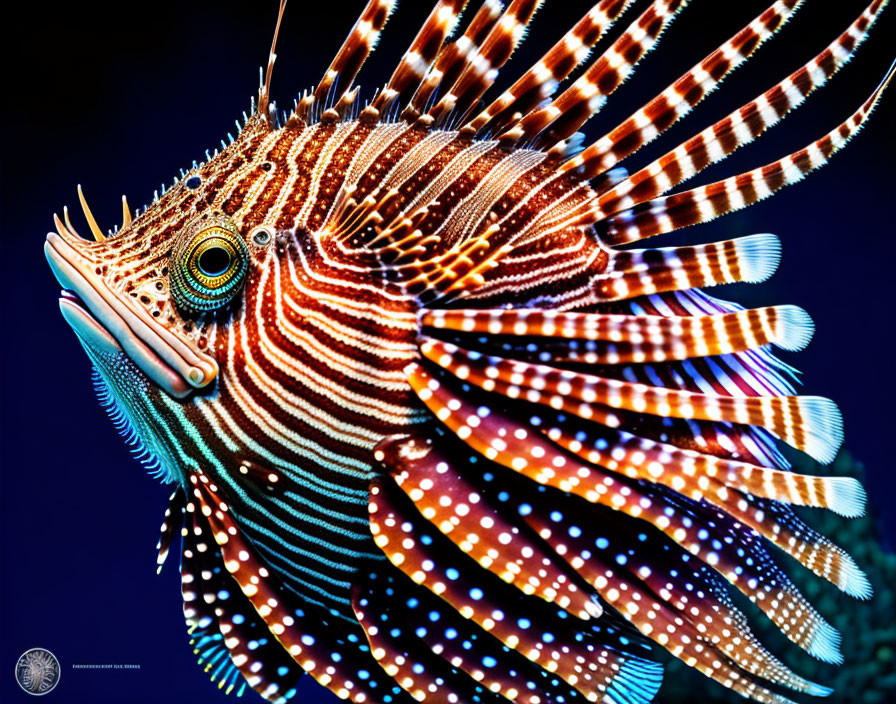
[110, 323]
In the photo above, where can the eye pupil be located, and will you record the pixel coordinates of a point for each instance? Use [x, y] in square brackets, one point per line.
[214, 261]
[193, 182]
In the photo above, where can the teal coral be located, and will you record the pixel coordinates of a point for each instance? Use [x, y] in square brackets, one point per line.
[868, 674]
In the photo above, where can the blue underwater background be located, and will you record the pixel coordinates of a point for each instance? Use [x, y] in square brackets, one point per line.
[119, 96]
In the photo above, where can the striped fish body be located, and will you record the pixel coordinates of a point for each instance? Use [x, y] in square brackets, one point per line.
[316, 357]
[435, 432]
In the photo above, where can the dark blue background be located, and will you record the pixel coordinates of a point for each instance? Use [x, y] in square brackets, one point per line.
[118, 96]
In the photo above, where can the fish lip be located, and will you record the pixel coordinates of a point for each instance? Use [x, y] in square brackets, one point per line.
[111, 323]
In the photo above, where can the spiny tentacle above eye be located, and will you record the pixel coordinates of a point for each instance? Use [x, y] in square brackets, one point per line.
[91, 221]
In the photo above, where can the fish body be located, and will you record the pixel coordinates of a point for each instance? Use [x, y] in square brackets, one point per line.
[384, 353]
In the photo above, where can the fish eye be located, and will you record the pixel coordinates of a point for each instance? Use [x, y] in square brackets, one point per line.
[193, 182]
[208, 266]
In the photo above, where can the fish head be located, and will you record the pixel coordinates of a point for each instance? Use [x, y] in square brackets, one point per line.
[148, 302]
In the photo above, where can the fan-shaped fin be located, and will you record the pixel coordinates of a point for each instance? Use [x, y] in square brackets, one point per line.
[654, 582]
[307, 634]
[406, 618]
[705, 203]
[678, 99]
[541, 81]
[453, 505]
[728, 485]
[231, 640]
[736, 129]
[585, 97]
[708, 533]
[423, 674]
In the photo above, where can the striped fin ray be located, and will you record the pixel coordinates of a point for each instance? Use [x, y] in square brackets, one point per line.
[678, 99]
[541, 81]
[358, 45]
[635, 338]
[587, 95]
[639, 272]
[705, 203]
[812, 424]
[755, 372]
[707, 533]
[740, 127]
[654, 583]
[453, 58]
[704, 476]
[532, 628]
[419, 57]
[297, 629]
[482, 69]
[811, 549]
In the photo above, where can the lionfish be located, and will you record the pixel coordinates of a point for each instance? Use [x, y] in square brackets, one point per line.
[436, 430]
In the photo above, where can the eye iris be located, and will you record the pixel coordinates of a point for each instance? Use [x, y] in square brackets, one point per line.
[214, 261]
[208, 265]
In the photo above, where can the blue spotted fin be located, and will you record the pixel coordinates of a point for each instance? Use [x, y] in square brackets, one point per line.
[586, 655]
[537, 450]
[406, 622]
[653, 581]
